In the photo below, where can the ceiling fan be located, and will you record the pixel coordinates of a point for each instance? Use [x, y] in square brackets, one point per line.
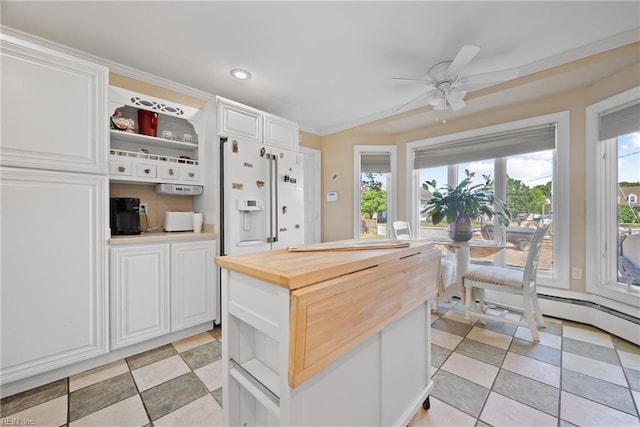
[446, 81]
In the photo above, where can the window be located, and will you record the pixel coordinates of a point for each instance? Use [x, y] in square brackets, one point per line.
[613, 217]
[374, 191]
[528, 162]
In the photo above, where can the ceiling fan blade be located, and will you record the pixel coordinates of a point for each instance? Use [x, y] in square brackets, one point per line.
[406, 104]
[490, 77]
[406, 79]
[456, 103]
[463, 58]
[428, 83]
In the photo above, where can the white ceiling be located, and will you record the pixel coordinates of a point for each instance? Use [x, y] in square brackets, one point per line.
[326, 65]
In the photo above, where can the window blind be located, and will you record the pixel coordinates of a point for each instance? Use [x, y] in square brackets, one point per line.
[621, 120]
[491, 146]
[375, 163]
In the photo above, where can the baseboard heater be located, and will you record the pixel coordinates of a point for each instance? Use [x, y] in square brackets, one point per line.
[593, 305]
[589, 304]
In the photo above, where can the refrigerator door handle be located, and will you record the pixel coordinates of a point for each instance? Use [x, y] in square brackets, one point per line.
[274, 207]
[273, 194]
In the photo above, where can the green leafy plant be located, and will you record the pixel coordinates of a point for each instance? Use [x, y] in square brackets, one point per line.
[464, 201]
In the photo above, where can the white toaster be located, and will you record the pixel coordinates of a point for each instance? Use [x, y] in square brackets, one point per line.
[178, 221]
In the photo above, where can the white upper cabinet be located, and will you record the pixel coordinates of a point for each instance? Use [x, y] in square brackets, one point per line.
[241, 121]
[54, 109]
[235, 119]
[280, 132]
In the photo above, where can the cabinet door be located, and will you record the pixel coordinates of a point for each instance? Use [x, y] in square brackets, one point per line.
[193, 300]
[238, 120]
[139, 293]
[54, 294]
[280, 132]
[54, 109]
[405, 353]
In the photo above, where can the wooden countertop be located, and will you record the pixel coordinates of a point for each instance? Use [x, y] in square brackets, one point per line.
[295, 270]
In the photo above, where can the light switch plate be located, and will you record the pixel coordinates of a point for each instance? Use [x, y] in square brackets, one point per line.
[576, 273]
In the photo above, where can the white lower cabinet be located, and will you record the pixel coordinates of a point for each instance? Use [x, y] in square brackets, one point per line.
[160, 288]
[192, 279]
[139, 293]
[54, 279]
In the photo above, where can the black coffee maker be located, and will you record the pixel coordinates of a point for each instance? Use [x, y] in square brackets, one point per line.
[125, 215]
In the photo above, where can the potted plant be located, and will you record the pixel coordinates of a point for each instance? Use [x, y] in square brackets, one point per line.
[462, 204]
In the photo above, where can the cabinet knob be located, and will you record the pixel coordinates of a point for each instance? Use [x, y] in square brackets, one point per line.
[170, 171]
[191, 174]
[121, 169]
[147, 170]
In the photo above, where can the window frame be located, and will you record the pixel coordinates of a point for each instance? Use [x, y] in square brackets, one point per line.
[392, 186]
[559, 278]
[602, 203]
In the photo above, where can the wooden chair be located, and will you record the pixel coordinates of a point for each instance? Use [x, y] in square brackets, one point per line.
[402, 231]
[510, 280]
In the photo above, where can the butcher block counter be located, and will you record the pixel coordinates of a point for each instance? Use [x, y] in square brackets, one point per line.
[334, 334]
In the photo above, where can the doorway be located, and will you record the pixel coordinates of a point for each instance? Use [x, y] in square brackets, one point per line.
[312, 163]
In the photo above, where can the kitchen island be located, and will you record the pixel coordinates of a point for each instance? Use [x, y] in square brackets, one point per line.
[327, 336]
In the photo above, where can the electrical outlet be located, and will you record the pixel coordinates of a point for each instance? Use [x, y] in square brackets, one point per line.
[143, 208]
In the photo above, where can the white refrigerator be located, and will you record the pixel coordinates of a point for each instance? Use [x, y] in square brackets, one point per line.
[262, 197]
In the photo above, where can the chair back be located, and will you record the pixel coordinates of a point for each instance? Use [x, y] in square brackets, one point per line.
[531, 267]
[402, 230]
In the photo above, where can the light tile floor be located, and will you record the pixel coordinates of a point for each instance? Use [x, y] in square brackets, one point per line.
[484, 375]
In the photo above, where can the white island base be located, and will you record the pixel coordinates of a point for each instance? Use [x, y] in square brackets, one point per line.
[382, 380]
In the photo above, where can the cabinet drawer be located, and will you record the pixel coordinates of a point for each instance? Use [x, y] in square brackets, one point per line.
[170, 172]
[146, 170]
[190, 174]
[119, 167]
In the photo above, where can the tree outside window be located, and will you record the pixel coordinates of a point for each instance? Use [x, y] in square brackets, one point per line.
[373, 202]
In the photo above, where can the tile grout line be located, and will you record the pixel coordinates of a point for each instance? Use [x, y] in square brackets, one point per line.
[146, 410]
[68, 380]
[561, 373]
[626, 377]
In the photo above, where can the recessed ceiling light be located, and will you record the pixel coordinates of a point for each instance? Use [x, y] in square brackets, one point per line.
[240, 74]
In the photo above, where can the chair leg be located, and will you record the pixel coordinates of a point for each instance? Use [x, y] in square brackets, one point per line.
[536, 307]
[467, 302]
[526, 302]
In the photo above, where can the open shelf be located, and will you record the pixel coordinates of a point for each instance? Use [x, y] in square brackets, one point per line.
[115, 154]
[263, 374]
[136, 138]
[255, 403]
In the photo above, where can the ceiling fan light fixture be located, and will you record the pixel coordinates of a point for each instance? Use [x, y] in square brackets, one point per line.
[433, 97]
[240, 74]
[442, 102]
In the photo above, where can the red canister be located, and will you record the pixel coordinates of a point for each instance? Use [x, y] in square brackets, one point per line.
[147, 122]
